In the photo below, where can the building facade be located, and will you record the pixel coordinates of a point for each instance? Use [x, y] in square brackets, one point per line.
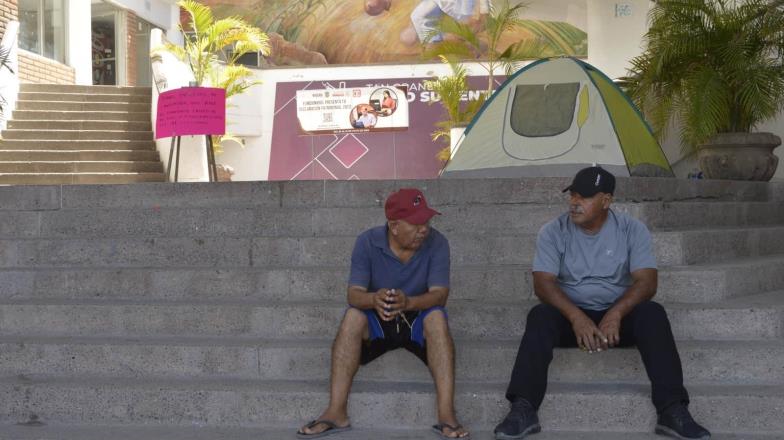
[87, 41]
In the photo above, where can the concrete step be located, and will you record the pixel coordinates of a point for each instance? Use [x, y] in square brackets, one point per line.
[311, 319]
[74, 178]
[41, 125]
[85, 97]
[91, 432]
[329, 222]
[99, 432]
[78, 135]
[38, 115]
[440, 193]
[704, 362]
[391, 405]
[83, 106]
[69, 88]
[688, 284]
[226, 249]
[120, 154]
[81, 167]
[7, 145]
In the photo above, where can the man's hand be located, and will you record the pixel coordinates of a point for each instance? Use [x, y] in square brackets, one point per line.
[382, 304]
[610, 326]
[397, 300]
[588, 335]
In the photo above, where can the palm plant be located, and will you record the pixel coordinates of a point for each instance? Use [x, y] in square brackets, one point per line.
[717, 66]
[210, 43]
[451, 89]
[5, 53]
[463, 42]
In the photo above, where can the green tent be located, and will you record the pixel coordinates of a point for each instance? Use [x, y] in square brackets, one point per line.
[552, 118]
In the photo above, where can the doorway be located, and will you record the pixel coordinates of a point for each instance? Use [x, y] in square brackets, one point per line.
[143, 67]
[105, 51]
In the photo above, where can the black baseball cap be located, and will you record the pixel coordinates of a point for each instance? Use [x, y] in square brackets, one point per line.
[592, 180]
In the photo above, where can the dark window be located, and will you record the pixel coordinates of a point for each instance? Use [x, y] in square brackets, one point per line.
[543, 109]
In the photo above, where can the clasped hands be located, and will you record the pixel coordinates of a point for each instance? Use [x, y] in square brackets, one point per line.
[389, 302]
[591, 337]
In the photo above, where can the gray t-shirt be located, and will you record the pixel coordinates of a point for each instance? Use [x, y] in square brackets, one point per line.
[594, 270]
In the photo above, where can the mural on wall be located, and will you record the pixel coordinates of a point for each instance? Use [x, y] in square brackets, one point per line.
[408, 154]
[308, 32]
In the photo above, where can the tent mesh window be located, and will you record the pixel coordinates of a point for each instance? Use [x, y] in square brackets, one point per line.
[540, 110]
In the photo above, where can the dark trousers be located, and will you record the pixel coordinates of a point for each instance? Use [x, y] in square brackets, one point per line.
[646, 326]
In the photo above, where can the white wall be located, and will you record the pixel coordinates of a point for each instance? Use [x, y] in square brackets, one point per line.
[157, 12]
[615, 30]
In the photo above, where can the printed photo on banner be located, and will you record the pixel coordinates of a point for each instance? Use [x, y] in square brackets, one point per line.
[352, 110]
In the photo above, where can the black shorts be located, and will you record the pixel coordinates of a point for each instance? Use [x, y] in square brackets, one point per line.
[390, 335]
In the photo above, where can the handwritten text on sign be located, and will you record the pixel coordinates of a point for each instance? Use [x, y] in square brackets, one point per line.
[191, 111]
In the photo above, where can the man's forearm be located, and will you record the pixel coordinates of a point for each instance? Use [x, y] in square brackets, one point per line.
[360, 299]
[550, 293]
[639, 291]
[426, 300]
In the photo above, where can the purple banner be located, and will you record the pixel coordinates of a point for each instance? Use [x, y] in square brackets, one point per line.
[408, 154]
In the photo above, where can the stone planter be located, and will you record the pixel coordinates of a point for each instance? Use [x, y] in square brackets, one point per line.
[739, 156]
[455, 136]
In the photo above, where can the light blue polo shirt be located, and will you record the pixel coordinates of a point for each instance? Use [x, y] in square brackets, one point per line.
[375, 266]
[594, 270]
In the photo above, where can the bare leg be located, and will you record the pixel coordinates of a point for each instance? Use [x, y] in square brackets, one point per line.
[441, 360]
[345, 362]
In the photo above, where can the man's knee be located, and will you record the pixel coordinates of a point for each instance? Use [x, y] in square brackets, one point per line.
[435, 324]
[650, 318]
[354, 323]
[650, 312]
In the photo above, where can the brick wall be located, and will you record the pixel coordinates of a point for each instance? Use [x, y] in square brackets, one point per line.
[36, 69]
[130, 51]
[8, 11]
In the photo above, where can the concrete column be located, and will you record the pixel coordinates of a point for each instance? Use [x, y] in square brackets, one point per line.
[79, 40]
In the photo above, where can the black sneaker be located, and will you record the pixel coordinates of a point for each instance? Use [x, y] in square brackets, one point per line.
[677, 422]
[520, 422]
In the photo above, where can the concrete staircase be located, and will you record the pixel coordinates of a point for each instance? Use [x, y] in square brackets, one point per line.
[206, 311]
[64, 134]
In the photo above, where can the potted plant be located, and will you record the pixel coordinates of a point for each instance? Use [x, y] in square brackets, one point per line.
[212, 50]
[451, 89]
[482, 41]
[479, 40]
[717, 68]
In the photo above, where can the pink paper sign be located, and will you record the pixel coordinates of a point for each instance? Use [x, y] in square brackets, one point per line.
[191, 111]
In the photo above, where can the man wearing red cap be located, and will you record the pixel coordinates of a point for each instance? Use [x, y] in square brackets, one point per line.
[397, 290]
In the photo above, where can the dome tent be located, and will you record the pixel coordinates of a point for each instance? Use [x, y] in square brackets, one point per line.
[553, 118]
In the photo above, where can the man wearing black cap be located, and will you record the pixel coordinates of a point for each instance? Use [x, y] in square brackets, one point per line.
[595, 274]
[397, 290]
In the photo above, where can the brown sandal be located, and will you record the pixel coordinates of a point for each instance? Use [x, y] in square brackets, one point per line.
[332, 428]
[439, 429]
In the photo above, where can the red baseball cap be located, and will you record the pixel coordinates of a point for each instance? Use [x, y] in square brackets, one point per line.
[408, 204]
